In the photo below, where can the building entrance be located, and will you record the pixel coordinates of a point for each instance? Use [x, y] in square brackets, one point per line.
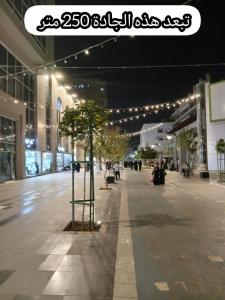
[7, 149]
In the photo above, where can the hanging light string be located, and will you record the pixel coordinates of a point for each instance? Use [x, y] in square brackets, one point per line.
[217, 64]
[65, 58]
[222, 64]
[133, 118]
[149, 109]
[135, 133]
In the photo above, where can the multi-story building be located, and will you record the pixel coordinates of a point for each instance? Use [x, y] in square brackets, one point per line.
[156, 135]
[20, 52]
[32, 99]
[215, 121]
[205, 113]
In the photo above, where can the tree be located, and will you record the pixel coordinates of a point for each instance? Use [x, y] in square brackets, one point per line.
[186, 140]
[146, 153]
[111, 146]
[220, 149]
[81, 124]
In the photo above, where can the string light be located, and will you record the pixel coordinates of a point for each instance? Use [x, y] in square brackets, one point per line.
[131, 134]
[64, 59]
[163, 105]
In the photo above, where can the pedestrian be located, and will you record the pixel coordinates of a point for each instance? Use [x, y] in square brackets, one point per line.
[177, 166]
[116, 168]
[132, 165]
[187, 170]
[162, 173]
[78, 167]
[156, 174]
[139, 165]
[135, 165]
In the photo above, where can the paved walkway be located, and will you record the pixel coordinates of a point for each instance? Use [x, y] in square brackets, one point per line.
[156, 242]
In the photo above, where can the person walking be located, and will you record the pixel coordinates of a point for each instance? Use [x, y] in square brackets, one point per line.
[132, 165]
[156, 174]
[139, 165]
[162, 173]
[187, 170]
[78, 167]
[116, 168]
[135, 165]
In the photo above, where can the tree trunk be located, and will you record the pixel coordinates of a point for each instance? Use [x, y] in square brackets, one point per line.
[73, 192]
[92, 193]
[100, 160]
[84, 196]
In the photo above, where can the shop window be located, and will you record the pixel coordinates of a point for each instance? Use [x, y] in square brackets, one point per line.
[59, 162]
[32, 163]
[47, 160]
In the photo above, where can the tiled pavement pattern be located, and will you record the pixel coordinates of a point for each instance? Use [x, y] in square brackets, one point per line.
[40, 261]
[155, 242]
[178, 234]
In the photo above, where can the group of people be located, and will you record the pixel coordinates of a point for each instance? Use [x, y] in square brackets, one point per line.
[158, 173]
[134, 165]
[76, 167]
[115, 167]
[186, 170]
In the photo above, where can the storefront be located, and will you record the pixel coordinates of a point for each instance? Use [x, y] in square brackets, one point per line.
[47, 162]
[32, 163]
[67, 161]
[59, 162]
[7, 149]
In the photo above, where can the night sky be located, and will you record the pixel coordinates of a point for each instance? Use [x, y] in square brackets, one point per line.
[138, 87]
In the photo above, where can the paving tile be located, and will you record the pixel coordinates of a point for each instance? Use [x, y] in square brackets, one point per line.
[125, 291]
[215, 258]
[47, 248]
[88, 298]
[7, 297]
[26, 283]
[162, 286]
[58, 284]
[49, 297]
[88, 284]
[4, 275]
[61, 248]
[51, 263]
[27, 297]
[20, 262]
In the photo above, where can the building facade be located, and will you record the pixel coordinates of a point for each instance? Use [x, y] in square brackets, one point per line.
[205, 113]
[32, 99]
[19, 53]
[215, 120]
[156, 135]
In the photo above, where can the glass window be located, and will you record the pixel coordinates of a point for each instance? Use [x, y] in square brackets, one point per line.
[47, 159]
[7, 149]
[59, 162]
[5, 165]
[32, 163]
[6, 130]
[3, 82]
[3, 57]
[67, 160]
